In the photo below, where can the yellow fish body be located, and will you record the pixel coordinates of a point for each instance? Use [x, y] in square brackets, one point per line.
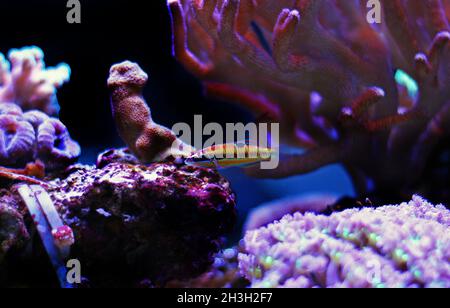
[230, 155]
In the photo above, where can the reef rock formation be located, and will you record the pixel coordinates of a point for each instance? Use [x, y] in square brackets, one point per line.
[25, 81]
[267, 213]
[406, 245]
[33, 135]
[329, 78]
[12, 226]
[133, 223]
[147, 140]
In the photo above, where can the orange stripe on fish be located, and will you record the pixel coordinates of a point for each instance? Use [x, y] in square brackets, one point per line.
[230, 155]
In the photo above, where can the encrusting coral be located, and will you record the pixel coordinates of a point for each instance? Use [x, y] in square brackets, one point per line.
[147, 140]
[329, 78]
[25, 81]
[12, 227]
[406, 245]
[29, 136]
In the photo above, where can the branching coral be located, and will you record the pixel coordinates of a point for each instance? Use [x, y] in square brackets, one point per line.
[393, 246]
[328, 76]
[26, 137]
[26, 81]
[147, 140]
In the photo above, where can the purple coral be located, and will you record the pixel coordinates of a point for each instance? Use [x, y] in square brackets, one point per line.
[110, 156]
[147, 140]
[329, 78]
[30, 136]
[407, 245]
[25, 81]
[12, 226]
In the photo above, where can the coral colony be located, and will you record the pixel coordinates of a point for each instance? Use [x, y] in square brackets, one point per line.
[25, 81]
[328, 77]
[371, 96]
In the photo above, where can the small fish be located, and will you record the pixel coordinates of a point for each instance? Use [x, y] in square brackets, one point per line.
[230, 155]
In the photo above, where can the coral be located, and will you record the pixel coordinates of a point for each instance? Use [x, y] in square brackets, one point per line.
[406, 245]
[329, 78]
[160, 222]
[12, 227]
[147, 140]
[24, 80]
[30, 136]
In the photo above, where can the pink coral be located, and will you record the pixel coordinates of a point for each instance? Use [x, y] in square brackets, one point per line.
[25, 81]
[328, 76]
[406, 245]
[147, 140]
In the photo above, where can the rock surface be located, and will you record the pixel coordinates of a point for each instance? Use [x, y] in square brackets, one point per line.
[135, 223]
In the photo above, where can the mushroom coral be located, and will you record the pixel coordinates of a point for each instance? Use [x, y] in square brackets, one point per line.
[331, 79]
